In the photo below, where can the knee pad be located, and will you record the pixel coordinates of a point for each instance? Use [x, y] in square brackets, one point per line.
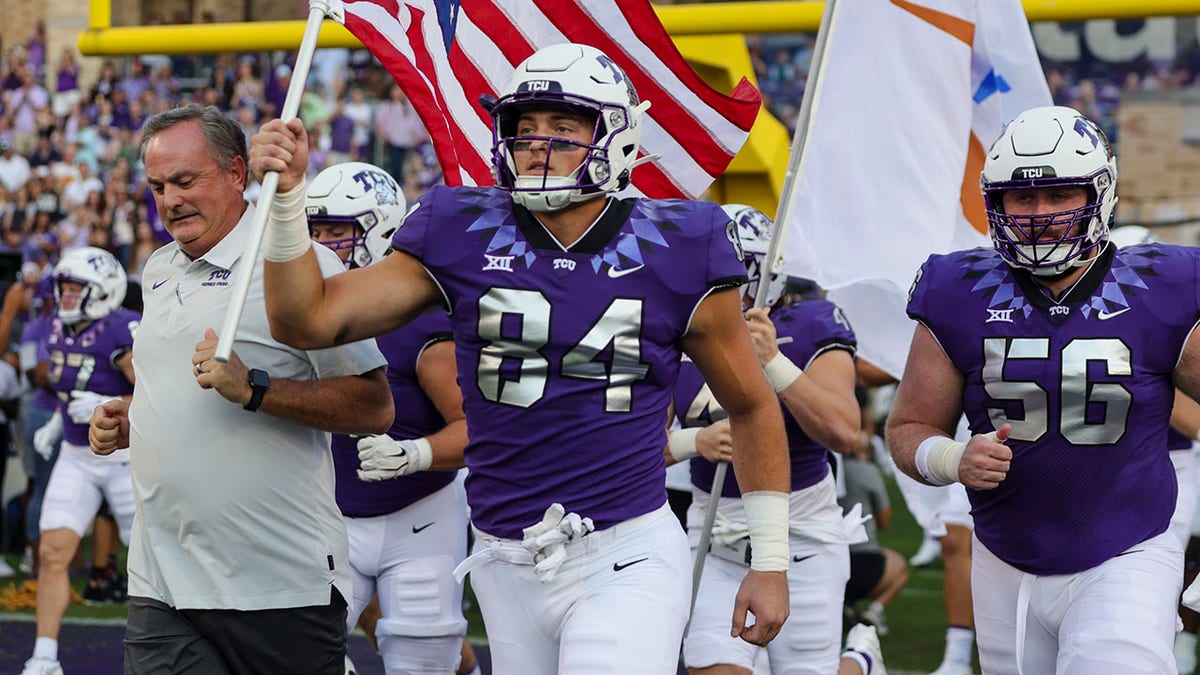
[407, 655]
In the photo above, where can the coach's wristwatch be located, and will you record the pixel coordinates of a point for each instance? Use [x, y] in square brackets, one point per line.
[260, 381]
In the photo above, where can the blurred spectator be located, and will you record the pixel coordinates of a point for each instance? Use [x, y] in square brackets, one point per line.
[44, 154]
[144, 244]
[18, 210]
[247, 88]
[106, 83]
[360, 113]
[24, 104]
[76, 191]
[276, 88]
[35, 51]
[397, 124]
[341, 136]
[136, 82]
[66, 86]
[14, 168]
[45, 191]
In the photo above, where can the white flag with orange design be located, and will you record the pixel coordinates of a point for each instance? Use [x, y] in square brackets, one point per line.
[909, 97]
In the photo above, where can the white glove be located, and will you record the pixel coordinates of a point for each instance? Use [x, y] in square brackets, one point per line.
[383, 457]
[48, 436]
[548, 539]
[83, 404]
[1191, 595]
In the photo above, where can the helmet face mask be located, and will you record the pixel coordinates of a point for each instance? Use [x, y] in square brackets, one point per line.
[363, 196]
[1052, 147]
[579, 81]
[102, 278]
[754, 230]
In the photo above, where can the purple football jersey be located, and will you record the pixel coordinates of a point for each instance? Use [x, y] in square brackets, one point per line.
[1086, 384]
[814, 327]
[85, 361]
[566, 358]
[36, 331]
[1177, 441]
[416, 416]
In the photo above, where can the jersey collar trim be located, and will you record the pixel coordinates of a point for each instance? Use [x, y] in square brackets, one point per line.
[606, 227]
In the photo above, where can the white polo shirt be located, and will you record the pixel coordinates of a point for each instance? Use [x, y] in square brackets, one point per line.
[235, 509]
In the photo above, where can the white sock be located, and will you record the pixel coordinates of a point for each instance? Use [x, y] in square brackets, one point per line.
[1185, 641]
[859, 659]
[959, 642]
[45, 647]
[876, 606]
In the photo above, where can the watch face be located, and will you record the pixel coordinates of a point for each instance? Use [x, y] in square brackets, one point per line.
[259, 378]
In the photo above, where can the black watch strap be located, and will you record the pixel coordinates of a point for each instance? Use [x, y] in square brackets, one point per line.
[260, 381]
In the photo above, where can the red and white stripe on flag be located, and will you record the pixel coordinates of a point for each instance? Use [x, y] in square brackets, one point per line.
[694, 128]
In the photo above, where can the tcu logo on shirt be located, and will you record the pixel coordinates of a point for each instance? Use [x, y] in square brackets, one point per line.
[1059, 310]
[217, 277]
[564, 264]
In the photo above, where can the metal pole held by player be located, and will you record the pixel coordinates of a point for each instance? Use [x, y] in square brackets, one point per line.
[317, 11]
[803, 121]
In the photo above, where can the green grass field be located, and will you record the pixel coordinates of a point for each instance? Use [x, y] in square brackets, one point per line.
[917, 618]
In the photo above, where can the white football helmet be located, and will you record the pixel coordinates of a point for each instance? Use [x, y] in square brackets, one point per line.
[1051, 146]
[363, 195]
[103, 280]
[754, 229]
[1131, 235]
[584, 80]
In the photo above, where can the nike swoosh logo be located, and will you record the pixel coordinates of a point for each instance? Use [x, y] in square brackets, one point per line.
[617, 567]
[1104, 316]
[159, 283]
[799, 558]
[417, 530]
[617, 274]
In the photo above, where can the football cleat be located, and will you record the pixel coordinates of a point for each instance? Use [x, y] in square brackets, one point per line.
[40, 665]
[863, 640]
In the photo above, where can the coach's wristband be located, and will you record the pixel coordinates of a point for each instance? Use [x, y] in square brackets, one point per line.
[938, 458]
[781, 372]
[287, 227]
[767, 519]
[681, 443]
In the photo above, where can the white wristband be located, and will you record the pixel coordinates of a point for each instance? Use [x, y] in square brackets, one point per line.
[938, 458]
[767, 519]
[681, 443]
[781, 372]
[287, 227]
[424, 454]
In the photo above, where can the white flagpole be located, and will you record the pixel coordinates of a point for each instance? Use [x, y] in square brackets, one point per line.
[811, 90]
[317, 11]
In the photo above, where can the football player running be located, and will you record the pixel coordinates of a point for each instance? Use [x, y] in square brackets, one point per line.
[408, 534]
[89, 350]
[812, 372]
[1064, 353]
[570, 310]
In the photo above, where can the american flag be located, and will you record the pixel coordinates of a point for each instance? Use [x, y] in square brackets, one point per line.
[445, 54]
